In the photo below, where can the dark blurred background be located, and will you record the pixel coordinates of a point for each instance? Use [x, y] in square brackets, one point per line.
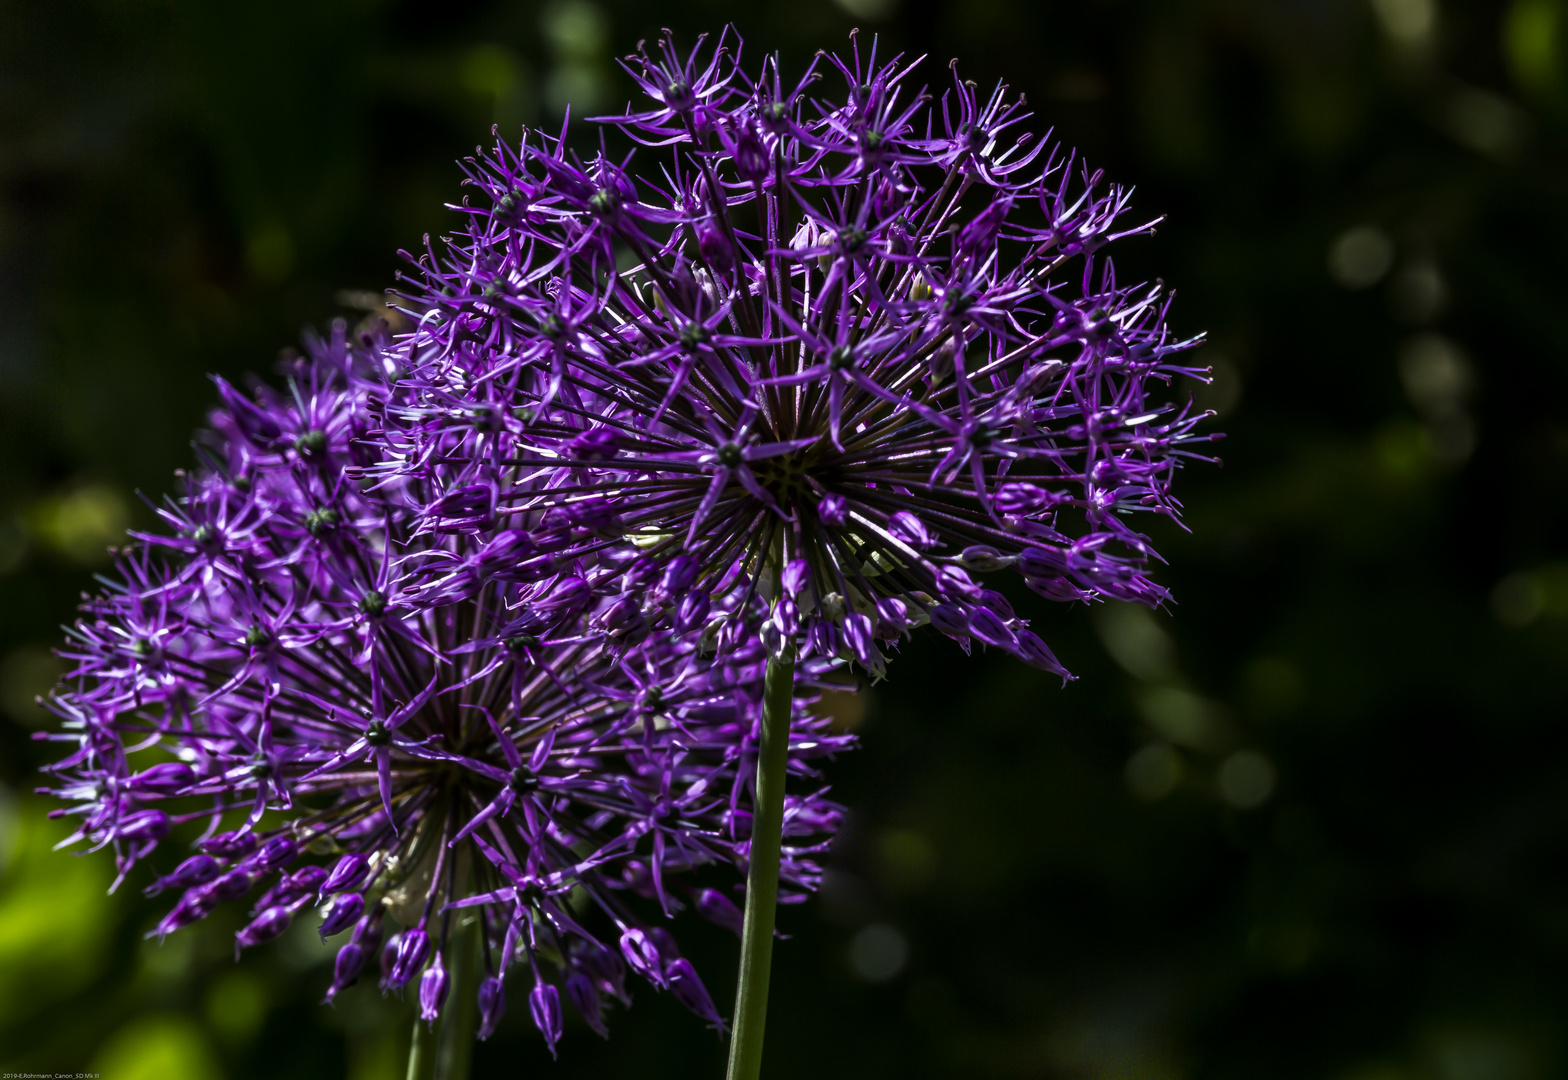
[1311, 822]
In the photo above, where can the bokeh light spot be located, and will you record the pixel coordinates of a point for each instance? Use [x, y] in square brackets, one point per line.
[874, 10]
[1486, 122]
[1184, 718]
[905, 859]
[1246, 779]
[1532, 37]
[1153, 771]
[1435, 374]
[1358, 258]
[847, 709]
[1136, 641]
[1408, 22]
[1274, 686]
[1518, 599]
[878, 952]
[236, 1005]
[81, 524]
[270, 253]
[25, 675]
[157, 1048]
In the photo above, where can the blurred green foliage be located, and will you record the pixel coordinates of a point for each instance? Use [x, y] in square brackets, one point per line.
[1312, 822]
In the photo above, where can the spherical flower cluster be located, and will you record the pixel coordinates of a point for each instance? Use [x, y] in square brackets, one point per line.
[854, 353]
[349, 691]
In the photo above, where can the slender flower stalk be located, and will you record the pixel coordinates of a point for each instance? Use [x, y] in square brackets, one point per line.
[842, 356]
[762, 878]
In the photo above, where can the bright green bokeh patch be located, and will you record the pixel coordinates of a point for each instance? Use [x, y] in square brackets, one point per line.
[158, 1048]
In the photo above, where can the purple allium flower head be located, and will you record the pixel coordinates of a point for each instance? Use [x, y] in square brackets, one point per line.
[348, 682]
[872, 337]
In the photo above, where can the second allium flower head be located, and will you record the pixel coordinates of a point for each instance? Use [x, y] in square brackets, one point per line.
[402, 725]
[853, 353]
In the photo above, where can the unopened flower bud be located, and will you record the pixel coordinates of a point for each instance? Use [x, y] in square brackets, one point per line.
[492, 1005]
[368, 930]
[833, 509]
[264, 927]
[163, 779]
[596, 444]
[984, 559]
[596, 515]
[1021, 498]
[305, 880]
[909, 529]
[750, 156]
[664, 941]
[544, 1005]
[950, 620]
[605, 968]
[276, 852]
[731, 634]
[680, 573]
[346, 967]
[341, 912]
[1042, 562]
[939, 368]
[194, 906]
[349, 873]
[503, 556]
[389, 953]
[795, 577]
[196, 870]
[956, 580]
[642, 955]
[432, 990]
[690, 992]
[233, 885]
[858, 638]
[716, 249]
[892, 617]
[1036, 653]
[823, 639]
[584, 996]
[622, 614]
[786, 617]
[463, 510]
[984, 624]
[718, 908]
[568, 594]
[412, 948]
[692, 612]
[230, 845]
[1055, 588]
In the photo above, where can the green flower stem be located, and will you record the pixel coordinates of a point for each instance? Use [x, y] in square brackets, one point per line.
[447, 1052]
[762, 879]
[420, 1051]
[460, 1018]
